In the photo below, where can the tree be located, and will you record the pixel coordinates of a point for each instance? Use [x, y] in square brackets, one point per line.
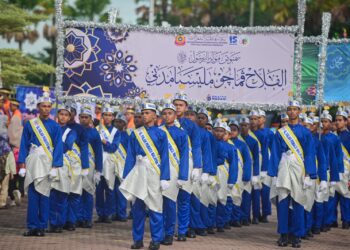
[86, 8]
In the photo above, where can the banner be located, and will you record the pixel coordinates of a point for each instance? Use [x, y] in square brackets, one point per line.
[337, 82]
[243, 68]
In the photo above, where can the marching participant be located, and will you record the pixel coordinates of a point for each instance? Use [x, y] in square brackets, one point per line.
[254, 151]
[179, 160]
[146, 174]
[137, 120]
[119, 210]
[293, 164]
[105, 197]
[130, 116]
[40, 155]
[90, 181]
[76, 179]
[227, 172]
[191, 204]
[245, 167]
[61, 184]
[284, 120]
[335, 166]
[342, 194]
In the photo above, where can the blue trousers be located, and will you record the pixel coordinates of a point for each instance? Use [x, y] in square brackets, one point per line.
[236, 214]
[246, 205]
[169, 216]
[86, 206]
[183, 211]
[318, 215]
[308, 220]
[196, 220]
[265, 200]
[105, 199]
[119, 209]
[290, 220]
[212, 216]
[220, 215]
[333, 208]
[205, 216]
[38, 209]
[138, 223]
[256, 194]
[228, 210]
[73, 211]
[58, 208]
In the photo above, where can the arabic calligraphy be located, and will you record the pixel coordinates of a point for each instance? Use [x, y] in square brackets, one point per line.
[213, 57]
[216, 77]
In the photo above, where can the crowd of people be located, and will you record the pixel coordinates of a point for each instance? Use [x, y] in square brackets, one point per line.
[190, 175]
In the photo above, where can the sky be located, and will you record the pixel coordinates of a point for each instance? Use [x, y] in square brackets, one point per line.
[126, 12]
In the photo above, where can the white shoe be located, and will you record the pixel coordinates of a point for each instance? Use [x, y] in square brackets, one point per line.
[17, 195]
[12, 204]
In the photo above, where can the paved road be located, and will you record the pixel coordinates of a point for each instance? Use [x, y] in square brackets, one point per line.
[118, 236]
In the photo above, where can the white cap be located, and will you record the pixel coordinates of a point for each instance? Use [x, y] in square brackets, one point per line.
[45, 98]
[262, 112]
[284, 116]
[107, 109]
[210, 122]
[64, 107]
[220, 124]
[308, 120]
[228, 129]
[325, 115]
[122, 117]
[233, 122]
[293, 103]
[86, 110]
[244, 120]
[169, 106]
[342, 112]
[316, 119]
[149, 106]
[254, 113]
[181, 97]
[203, 111]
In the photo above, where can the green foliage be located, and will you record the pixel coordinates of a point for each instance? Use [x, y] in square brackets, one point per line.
[86, 8]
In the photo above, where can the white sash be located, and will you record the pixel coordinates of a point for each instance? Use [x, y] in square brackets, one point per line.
[174, 155]
[293, 143]
[42, 135]
[105, 135]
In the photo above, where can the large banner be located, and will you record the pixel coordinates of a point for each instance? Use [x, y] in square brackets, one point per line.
[244, 68]
[337, 82]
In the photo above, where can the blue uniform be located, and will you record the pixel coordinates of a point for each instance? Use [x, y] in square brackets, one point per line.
[160, 141]
[58, 199]
[87, 199]
[253, 146]
[105, 197]
[226, 152]
[169, 206]
[38, 204]
[293, 222]
[318, 209]
[237, 212]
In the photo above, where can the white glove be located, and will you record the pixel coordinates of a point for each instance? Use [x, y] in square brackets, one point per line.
[263, 174]
[323, 186]
[97, 178]
[230, 186]
[204, 178]
[211, 180]
[85, 172]
[180, 183]
[341, 176]
[195, 174]
[274, 181]
[164, 185]
[307, 182]
[255, 180]
[53, 173]
[22, 172]
[333, 183]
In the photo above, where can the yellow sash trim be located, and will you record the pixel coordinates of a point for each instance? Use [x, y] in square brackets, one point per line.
[91, 156]
[42, 143]
[153, 147]
[123, 151]
[346, 157]
[172, 143]
[291, 147]
[259, 145]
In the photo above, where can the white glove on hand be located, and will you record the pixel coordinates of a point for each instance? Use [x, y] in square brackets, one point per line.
[307, 182]
[195, 174]
[263, 174]
[341, 176]
[164, 185]
[22, 172]
[53, 173]
[333, 183]
[97, 178]
[230, 186]
[180, 183]
[211, 180]
[274, 181]
[85, 172]
[255, 180]
[323, 186]
[204, 178]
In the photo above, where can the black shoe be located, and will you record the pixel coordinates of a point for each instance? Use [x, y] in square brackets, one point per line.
[54, 229]
[30, 232]
[323, 229]
[122, 219]
[181, 237]
[191, 234]
[220, 230]
[236, 224]
[309, 234]
[130, 216]
[255, 221]
[316, 231]
[345, 225]
[69, 227]
[99, 220]
[227, 226]
[328, 228]
[263, 219]
[283, 240]
[137, 245]
[168, 240]
[245, 223]
[210, 230]
[114, 217]
[296, 242]
[79, 224]
[201, 232]
[87, 224]
[334, 224]
[40, 233]
[107, 220]
[305, 237]
[154, 245]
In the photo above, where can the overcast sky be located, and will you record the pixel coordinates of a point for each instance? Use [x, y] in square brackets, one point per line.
[126, 12]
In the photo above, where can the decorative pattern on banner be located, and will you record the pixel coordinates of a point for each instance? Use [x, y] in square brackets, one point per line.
[224, 67]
